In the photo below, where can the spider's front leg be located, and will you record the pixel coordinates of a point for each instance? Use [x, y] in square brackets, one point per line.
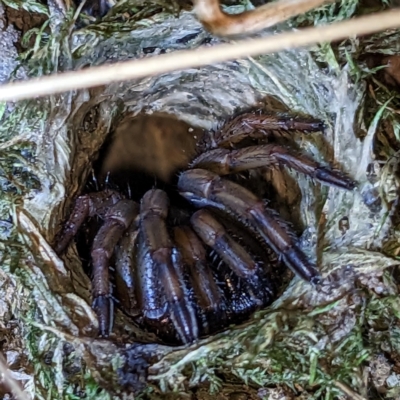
[206, 189]
[162, 287]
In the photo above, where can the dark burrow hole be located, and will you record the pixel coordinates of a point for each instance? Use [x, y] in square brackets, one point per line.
[148, 152]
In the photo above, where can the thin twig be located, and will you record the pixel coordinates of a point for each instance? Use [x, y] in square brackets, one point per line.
[97, 76]
[350, 393]
[220, 23]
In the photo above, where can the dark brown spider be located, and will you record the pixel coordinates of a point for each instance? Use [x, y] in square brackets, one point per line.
[165, 273]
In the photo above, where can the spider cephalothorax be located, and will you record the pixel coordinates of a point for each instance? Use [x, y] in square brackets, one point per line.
[189, 271]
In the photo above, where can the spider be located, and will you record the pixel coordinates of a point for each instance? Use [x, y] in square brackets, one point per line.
[211, 258]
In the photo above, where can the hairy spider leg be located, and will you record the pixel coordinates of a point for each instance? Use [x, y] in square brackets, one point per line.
[231, 253]
[270, 268]
[214, 235]
[206, 189]
[258, 125]
[224, 162]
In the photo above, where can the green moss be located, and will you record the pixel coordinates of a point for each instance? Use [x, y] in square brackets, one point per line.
[288, 345]
[27, 5]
